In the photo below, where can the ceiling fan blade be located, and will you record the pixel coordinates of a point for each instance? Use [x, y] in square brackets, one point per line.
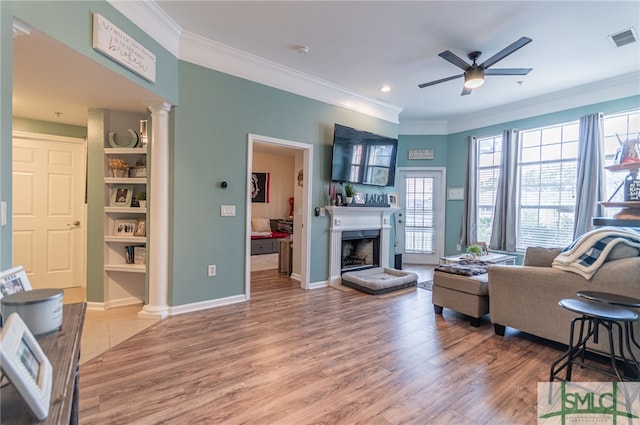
[465, 91]
[449, 56]
[508, 71]
[506, 52]
[432, 83]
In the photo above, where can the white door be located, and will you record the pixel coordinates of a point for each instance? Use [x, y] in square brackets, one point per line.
[48, 209]
[420, 222]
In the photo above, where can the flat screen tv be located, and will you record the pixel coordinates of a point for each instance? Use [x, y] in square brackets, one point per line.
[362, 157]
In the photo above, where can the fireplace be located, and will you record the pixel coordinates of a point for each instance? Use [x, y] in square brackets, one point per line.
[360, 250]
[367, 223]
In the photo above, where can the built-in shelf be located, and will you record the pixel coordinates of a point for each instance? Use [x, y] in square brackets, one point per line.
[125, 180]
[129, 210]
[126, 239]
[129, 268]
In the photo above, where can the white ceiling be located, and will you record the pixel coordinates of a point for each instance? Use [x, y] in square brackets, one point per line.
[361, 46]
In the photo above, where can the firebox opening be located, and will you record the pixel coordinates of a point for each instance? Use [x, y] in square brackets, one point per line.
[360, 250]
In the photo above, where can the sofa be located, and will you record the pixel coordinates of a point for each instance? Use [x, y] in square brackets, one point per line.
[526, 297]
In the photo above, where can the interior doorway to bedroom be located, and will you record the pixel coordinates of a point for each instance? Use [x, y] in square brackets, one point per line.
[278, 209]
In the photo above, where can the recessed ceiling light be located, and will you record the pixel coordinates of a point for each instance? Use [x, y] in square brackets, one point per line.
[303, 50]
[385, 88]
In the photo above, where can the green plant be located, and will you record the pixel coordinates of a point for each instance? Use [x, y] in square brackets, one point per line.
[475, 250]
[142, 196]
[349, 190]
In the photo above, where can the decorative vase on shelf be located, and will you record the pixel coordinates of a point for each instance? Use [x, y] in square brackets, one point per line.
[349, 199]
[118, 172]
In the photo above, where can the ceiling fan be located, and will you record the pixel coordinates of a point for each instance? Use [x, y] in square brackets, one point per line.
[474, 74]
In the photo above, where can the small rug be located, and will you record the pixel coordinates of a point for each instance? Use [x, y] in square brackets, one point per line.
[427, 284]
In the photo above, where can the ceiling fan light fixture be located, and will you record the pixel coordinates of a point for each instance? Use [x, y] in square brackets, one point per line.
[474, 78]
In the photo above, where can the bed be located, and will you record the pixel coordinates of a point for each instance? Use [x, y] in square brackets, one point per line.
[266, 234]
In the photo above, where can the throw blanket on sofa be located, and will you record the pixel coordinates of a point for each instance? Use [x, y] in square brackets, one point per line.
[465, 267]
[587, 253]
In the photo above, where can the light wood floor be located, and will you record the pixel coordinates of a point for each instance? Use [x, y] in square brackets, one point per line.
[323, 356]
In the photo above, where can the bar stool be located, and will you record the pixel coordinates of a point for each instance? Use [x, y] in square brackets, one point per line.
[622, 301]
[593, 316]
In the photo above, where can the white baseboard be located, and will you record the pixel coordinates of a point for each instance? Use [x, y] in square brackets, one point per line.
[121, 302]
[203, 305]
[318, 285]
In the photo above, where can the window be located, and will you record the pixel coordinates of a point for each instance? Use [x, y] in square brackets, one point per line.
[489, 155]
[625, 126]
[547, 180]
[547, 168]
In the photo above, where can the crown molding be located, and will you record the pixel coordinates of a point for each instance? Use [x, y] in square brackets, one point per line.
[153, 20]
[20, 28]
[220, 57]
[186, 46]
[575, 97]
[419, 127]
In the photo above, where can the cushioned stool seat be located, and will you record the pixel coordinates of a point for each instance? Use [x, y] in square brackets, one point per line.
[464, 294]
[379, 280]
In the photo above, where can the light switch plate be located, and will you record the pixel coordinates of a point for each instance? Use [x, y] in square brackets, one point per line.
[227, 210]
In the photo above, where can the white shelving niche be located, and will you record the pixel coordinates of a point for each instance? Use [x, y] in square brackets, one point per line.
[125, 282]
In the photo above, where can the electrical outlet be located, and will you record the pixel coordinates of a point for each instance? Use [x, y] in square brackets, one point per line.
[458, 247]
[211, 270]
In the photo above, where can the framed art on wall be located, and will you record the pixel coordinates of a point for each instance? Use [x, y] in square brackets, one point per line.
[260, 187]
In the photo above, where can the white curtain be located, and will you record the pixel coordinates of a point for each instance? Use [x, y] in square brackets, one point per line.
[503, 233]
[469, 227]
[589, 176]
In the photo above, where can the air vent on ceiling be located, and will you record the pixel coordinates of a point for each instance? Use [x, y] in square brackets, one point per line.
[624, 37]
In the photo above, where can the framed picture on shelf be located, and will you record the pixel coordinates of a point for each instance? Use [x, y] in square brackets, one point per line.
[358, 198]
[392, 200]
[124, 227]
[121, 195]
[141, 227]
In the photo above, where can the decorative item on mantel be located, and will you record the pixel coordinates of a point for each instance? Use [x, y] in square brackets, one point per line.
[349, 192]
[119, 167]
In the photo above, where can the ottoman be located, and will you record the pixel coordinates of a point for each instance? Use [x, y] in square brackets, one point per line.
[379, 280]
[468, 295]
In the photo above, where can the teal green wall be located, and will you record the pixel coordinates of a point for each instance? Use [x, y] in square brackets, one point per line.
[437, 143]
[71, 23]
[46, 127]
[6, 83]
[457, 148]
[216, 113]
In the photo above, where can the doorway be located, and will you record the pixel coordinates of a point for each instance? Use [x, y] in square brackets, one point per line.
[301, 210]
[49, 214]
[420, 222]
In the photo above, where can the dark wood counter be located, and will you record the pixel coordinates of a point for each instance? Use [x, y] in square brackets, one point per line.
[62, 348]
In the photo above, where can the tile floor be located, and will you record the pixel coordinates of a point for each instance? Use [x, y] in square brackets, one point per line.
[104, 329]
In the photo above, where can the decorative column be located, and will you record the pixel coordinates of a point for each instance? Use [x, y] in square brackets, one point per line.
[158, 204]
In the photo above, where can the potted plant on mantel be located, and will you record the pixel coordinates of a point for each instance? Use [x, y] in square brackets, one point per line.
[349, 192]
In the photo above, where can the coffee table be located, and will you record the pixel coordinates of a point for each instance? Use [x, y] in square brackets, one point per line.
[494, 258]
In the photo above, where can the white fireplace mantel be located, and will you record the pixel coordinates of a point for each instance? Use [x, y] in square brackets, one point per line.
[344, 219]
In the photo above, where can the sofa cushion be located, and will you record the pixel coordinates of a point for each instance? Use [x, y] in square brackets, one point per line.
[540, 257]
[622, 250]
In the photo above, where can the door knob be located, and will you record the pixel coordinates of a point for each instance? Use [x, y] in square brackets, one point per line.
[75, 223]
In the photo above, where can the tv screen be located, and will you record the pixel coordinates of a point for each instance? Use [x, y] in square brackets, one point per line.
[362, 157]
